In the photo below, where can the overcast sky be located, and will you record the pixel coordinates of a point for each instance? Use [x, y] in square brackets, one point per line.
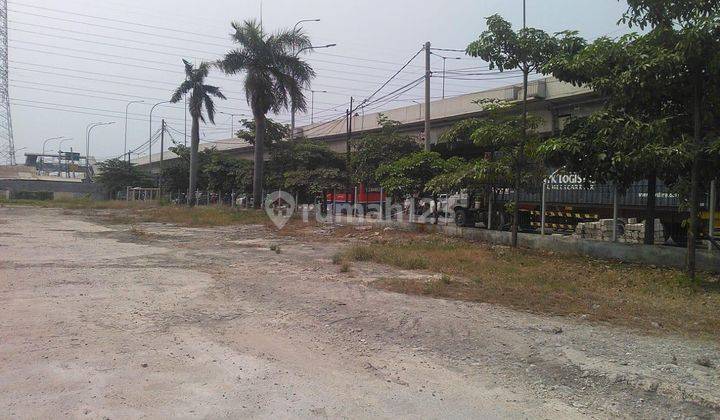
[74, 62]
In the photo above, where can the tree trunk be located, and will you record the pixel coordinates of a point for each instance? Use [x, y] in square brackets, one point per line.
[520, 162]
[694, 177]
[650, 210]
[260, 123]
[194, 145]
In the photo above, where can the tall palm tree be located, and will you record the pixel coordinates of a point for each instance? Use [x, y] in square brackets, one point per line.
[274, 78]
[201, 95]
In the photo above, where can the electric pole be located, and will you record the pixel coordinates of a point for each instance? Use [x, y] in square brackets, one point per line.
[7, 143]
[162, 156]
[347, 147]
[428, 73]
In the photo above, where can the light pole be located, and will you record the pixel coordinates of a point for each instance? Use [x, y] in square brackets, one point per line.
[292, 104]
[232, 122]
[89, 130]
[150, 129]
[303, 21]
[126, 123]
[312, 104]
[444, 59]
[42, 166]
[63, 141]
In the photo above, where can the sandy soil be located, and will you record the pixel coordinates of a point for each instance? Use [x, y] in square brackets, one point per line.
[107, 322]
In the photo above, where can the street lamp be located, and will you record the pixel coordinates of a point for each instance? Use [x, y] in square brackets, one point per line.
[42, 166]
[150, 136]
[232, 122]
[63, 141]
[303, 21]
[444, 72]
[292, 106]
[89, 130]
[126, 123]
[312, 104]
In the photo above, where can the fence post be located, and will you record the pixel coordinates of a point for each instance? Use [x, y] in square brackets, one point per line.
[382, 212]
[334, 209]
[713, 203]
[615, 214]
[543, 208]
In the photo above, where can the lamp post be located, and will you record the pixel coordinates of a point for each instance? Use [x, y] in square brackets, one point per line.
[150, 129]
[444, 59]
[126, 123]
[292, 105]
[312, 104]
[42, 167]
[63, 141]
[89, 130]
[232, 122]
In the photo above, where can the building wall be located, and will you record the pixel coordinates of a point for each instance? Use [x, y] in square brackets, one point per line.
[60, 189]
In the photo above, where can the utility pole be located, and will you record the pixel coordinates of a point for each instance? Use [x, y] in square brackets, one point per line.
[347, 147]
[428, 73]
[162, 156]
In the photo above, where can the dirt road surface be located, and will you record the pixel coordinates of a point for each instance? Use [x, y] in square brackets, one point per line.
[103, 321]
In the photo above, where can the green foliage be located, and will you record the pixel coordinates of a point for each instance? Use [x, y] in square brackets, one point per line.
[505, 49]
[497, 137]
[226, 173]
[410, 174]
[373, 150]
[274, 132]
[117, 174]
[217, 171]
[201, 95]
[614, 147]
[306, 167]
[275, 78]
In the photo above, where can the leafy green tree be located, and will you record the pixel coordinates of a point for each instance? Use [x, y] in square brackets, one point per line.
[201, 95]
[526, 50]
[503, 139]
[275, 77]
[686, 35]
[306, 167]
[118, 174]
[410, 174]
[217, 171]
[666, 81]
[226, 173]
[371, 151]
[274, 132]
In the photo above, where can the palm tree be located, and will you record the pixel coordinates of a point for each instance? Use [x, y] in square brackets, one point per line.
[200, 95]
[274, 78]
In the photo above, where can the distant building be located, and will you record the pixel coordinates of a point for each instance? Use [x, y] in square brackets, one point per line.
[552, 100]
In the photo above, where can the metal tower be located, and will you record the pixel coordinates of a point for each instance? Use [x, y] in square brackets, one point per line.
[7, 144]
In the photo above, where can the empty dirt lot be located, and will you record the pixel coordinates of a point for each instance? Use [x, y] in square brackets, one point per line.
[157, 321]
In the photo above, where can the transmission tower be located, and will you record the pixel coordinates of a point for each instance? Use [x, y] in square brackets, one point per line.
[7, 144]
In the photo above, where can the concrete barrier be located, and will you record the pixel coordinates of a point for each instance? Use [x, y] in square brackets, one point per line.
[661, 256]
[60, 189]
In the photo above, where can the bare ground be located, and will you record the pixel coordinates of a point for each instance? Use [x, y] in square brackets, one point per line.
[158, 321]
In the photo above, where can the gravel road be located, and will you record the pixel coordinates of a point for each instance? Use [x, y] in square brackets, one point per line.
[104, 321]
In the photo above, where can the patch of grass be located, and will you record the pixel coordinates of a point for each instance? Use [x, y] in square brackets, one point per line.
[622, 294]
[345, 267]
[337, 258]
[201, 216]
[81, 203]
[397, 256]
[275, 248]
